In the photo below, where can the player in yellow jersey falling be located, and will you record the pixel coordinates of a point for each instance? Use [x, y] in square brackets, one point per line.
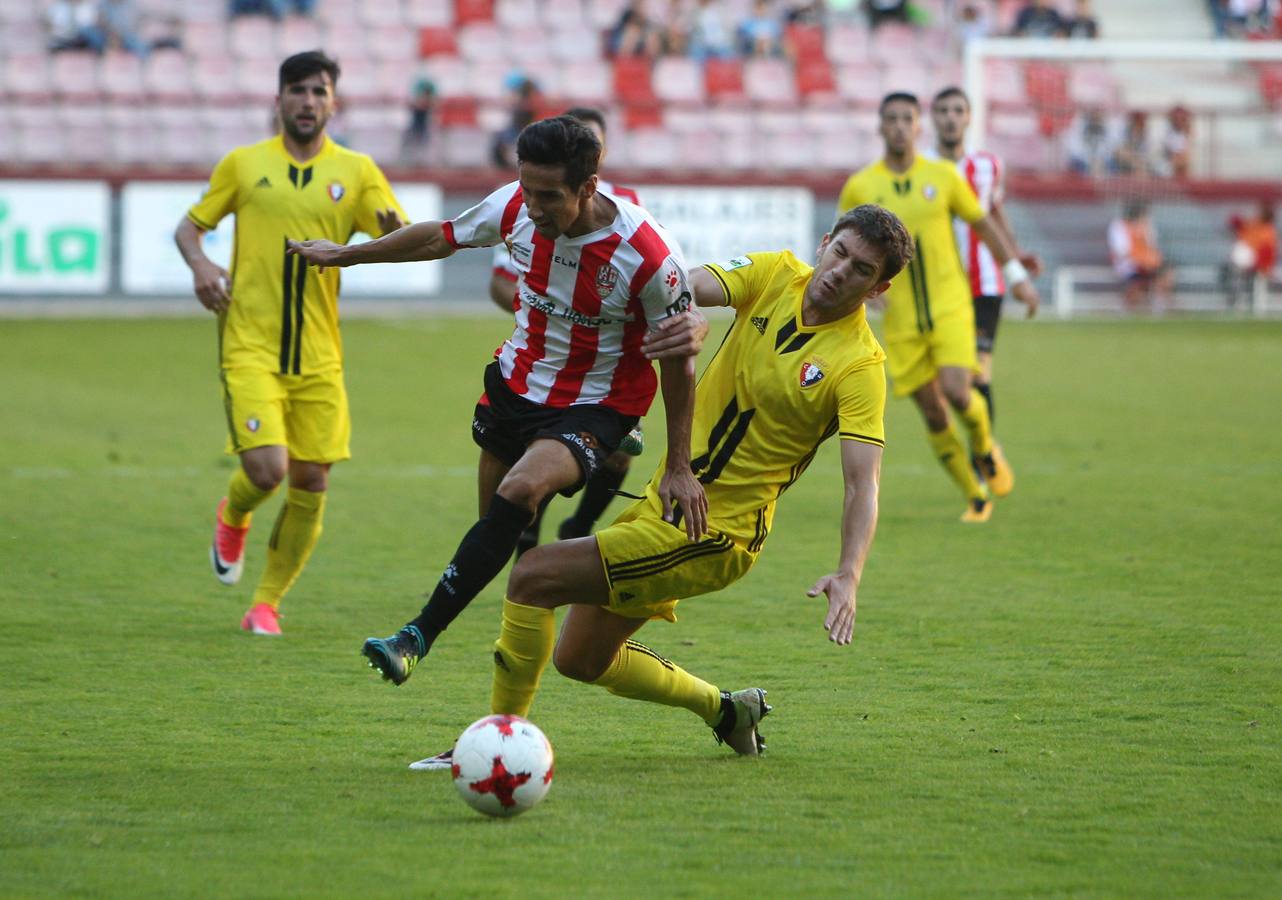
[798, 366]
[930, 320]
[280, 353]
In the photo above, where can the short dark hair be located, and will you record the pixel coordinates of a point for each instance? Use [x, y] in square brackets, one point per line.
[898, 97]
[561, 141]
[951, 91]
[587, 114]
[306, 64]
[880, 228]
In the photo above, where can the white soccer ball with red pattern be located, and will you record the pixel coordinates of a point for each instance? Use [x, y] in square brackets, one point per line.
[502, 765]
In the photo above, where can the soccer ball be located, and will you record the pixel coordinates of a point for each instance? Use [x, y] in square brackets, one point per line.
[502, 765]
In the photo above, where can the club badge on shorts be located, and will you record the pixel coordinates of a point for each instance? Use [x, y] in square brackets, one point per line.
[253, 425]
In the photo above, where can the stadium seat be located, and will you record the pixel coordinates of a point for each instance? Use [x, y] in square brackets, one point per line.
[20, 38]
[346, 43]
[258, 80]
[806, 43]
[395, 79]
[429, 13]
[457, 112]
[252, 37]
[815, 80]
[603, 14]
[632, 80]
[685, 119]
[847, 44]
[449, 74]
[548, 74]
[205, 38]
[74, 76]
[527, 45]
[339, 12]
[360, 81]
[40, 145]
[466, 147]
[120, 77]
[642, 116]
[733, 120]
[587, 82]
[1046, 84]
[859, 84]
[723, 79]
[700, 150]
[392, 43]
[298, 34]
[492, 118]
[652, 149]
[379, 13]
[485, 80]
[1092, 86]
[564, 14]
[913, 79]
[26, 78]
[167, 76]
[575, 42]
[1004, 82]
[481, 42]
[1271, 83]
[469, 11]
[1013, 123]
[778, 121]
[841, 152]
[784, 151]
[678, 80]
[893, 43]
[436, 41]
[522, 14]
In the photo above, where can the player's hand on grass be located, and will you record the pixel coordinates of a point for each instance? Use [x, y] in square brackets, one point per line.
[389, 220]
[1026, 294]
[840, 621]
[676, 336]
[1033, 263]
[210, 281]
[679, 488]
[321, 254]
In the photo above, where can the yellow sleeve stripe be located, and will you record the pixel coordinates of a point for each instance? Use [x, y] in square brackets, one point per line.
[725, 285]
[199, 224]
[863, 438]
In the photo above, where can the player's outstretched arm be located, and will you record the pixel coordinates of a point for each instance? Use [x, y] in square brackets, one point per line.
[1032, 262]
[413, 243]
[1004, 251]
[861, 471]
[678, 485]
[707, 289]
[209, 280]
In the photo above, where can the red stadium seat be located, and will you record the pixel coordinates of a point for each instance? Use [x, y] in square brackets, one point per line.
[457, 112]
[1046, 84]
[806, 43]
[1271, 83]
[723, 78]
[632, 80]
[814, 77]
[436, 42]
[642, 115]
[469, 11]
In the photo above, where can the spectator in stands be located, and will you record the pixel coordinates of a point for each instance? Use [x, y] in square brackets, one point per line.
[75, 25]
[525, 102]
[1254, 253]
[974, 21]
[761, 34]
[675, 28]
[120, 21]
[880, 11]
[808, 13]
[1177, 143]
[1038, 19]
[634, 34]
[277, 9]
[1082, 23]
[1132, 155]
[1137, 260]
[1089, 144]
[418, 133]
[709, 35]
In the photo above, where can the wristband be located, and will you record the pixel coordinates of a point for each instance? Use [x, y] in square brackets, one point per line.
[1014, 272]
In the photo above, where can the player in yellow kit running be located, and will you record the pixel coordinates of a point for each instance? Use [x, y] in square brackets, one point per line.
[798, 366]
[930, 320]
[280, 354]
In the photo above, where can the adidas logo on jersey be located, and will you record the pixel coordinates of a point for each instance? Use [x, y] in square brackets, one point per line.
[760, 323]
[263, 182]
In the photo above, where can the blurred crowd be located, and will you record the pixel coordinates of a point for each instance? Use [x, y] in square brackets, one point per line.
[702, 29]
[1097, 144]
[1252, 19]
[98, 25]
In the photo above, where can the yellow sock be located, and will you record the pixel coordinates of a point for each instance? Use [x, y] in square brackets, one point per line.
[978, 425]
[952, 455]
[639, 673]
[298, 527]
[243, 497]
[520, 655]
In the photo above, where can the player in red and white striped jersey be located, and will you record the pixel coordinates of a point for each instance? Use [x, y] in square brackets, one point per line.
[598, 276]
[606, 481]
[984, 171]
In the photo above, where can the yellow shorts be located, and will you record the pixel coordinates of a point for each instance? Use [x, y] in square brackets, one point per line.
[650, 563]
[914, 361]
[305, 413]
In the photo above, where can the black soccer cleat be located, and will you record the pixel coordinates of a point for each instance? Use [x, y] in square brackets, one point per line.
[395, 657]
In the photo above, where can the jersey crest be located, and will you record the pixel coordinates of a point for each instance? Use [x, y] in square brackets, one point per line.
[607, 277]
[335, 191]
[929, 191]
[811, 374]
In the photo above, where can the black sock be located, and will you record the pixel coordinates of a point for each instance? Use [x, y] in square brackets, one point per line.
[986, 390]
[529, 538]
[483, 553]
[597, 494]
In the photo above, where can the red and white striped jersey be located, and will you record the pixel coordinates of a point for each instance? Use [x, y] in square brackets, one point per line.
[584, 303]
[502, 262]
[983, 172]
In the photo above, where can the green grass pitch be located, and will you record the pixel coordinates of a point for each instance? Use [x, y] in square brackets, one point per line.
[1080, 698]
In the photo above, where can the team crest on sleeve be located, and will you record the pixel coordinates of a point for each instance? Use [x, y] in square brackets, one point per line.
[811, 374]
[335, 191]
[607, 278]
[739, 262]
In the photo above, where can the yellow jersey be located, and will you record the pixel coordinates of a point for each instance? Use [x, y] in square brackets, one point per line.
[283, 317]
[925, 198]
[775, 390]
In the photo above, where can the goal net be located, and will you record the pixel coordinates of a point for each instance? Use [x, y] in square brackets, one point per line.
[1139, 170]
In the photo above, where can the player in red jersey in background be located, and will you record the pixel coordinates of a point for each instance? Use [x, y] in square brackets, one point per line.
[603, 485]
[600, 280]
[985, 173]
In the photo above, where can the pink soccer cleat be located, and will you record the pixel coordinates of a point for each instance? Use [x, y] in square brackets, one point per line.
[261, 619]
[227, 552]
